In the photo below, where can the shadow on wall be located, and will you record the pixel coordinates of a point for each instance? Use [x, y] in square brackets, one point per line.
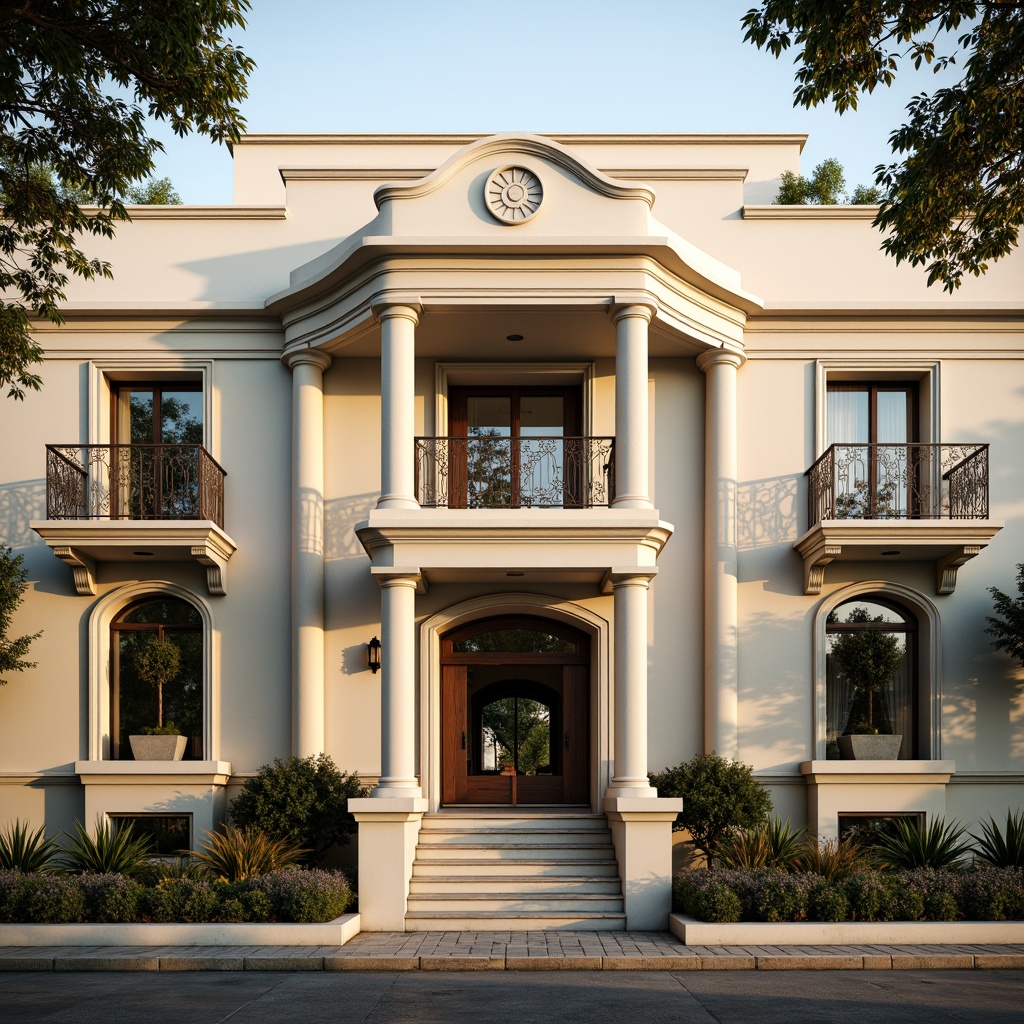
[983, 716]
[20, 503]
[777, 698]
[340, 518]
[766, 512]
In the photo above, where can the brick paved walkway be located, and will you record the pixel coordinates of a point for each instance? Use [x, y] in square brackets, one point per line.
[508, 951]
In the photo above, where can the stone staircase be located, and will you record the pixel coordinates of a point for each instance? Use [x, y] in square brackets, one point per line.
[515, 869]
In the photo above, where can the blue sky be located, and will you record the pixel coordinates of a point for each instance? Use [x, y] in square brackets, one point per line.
[526, 65]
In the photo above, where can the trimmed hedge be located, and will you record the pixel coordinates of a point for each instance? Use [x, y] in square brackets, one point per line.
[305, 897]
[726, 895]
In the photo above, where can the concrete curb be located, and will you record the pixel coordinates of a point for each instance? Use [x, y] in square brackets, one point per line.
[718, 962]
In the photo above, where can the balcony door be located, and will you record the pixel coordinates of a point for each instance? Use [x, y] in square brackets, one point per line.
[874, 426]
[509, 447]
[155, 461]
[514, 713]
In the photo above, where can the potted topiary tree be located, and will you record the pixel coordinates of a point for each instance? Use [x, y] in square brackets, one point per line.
[158, 662]
[869, 658]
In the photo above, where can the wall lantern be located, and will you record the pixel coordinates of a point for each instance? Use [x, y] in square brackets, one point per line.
[373, 655]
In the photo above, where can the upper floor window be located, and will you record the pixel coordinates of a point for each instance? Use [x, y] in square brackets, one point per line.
[166, 413]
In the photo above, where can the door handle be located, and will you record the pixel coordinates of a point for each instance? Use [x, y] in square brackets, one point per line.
[463, 741]
[567, 740]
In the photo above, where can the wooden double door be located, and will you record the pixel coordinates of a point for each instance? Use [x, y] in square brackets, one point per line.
[515, 721]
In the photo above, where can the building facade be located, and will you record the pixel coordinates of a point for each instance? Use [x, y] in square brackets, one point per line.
[619, 462]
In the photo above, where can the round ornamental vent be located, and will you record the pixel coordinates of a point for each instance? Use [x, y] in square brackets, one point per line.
[513, 194]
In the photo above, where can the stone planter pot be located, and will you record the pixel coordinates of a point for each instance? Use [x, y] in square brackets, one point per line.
[158, 748]
[870, 747]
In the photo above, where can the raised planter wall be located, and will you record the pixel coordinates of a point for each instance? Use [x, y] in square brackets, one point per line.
[842, 933]
[329, 933]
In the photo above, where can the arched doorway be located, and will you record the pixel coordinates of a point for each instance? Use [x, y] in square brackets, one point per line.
[514, 713]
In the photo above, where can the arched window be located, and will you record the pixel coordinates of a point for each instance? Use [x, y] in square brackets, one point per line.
[871, 672]
[134, 701]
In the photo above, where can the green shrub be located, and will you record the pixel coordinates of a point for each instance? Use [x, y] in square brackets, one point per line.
[302, 801]
[940, 891]
[702, 895]
[305, 896]
[256, 904]
[26, 851]
[231, 911]
[49, 899]
[720, 798]
[993, 894]
[998, 848]
[109, 851]
[240, 853]
[110, 898]
[10, 888]
[827, 902]
[180, 899]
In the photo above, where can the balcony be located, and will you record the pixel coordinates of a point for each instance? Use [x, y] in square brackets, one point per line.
[135, 503]
[909, 502]
[515, 472]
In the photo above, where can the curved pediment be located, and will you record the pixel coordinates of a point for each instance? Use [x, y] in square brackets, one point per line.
[507, 186]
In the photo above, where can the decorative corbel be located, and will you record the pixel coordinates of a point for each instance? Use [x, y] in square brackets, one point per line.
[83, 568]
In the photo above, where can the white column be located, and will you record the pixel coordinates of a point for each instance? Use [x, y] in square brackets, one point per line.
[721, 608]
[629, 774]
[398, 682]
[307, 369]
[631, 404]
[398, 320]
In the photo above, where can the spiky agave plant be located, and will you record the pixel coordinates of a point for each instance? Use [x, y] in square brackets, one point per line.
[833, 859]
[747, 850]
[240, 853]
[787, 843]
[24, 851]
[908, 844]
[998, 848]
[109, 851]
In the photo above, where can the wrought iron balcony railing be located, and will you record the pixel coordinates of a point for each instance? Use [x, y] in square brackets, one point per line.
[133, 481]
[899, 481]
[515, 472]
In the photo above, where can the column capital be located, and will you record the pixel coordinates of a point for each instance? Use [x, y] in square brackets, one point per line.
[393, 304]
[307, 357]
[630, 305]
[720, 357]
[399, 576]
[627, 577]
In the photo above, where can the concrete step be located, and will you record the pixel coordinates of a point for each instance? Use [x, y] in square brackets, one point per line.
[521, 867]
[422, 885]
[507, 819]
[509, 902]
[516, 837]
[513, 921]
[511, 852]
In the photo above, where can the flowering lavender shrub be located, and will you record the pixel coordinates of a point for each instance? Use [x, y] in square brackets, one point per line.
[702, 894]
[180, 899]
[305, 896]
[940, 891]
[10, 886]
[110, 898]
[49, 899]
[827, 901]
[993, 894]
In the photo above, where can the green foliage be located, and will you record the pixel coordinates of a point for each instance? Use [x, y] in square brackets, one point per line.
[305, 896]
[827, 901]
[157, 661]
[303, 800]
[869, 658]
[240, 853]
[823, 188]
[954, 199]
[154, 192]
[833, 859]
[170, 729]
[720, 797]
[109, 851]
[13, 583]
[703, 895]
[773, 845]
[23, 851]
[907, 844]
[110, 898]
[78, 84]
[1007, 626]
[993, 894]
[180, 899]
[49, 899]
[994, 846]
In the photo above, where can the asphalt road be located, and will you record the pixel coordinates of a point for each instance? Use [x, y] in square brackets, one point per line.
[647, 997]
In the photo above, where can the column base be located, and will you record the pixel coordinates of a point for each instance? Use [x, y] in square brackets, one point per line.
[642, 834]
[388, 833]
[391, 789]
[640, 790]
